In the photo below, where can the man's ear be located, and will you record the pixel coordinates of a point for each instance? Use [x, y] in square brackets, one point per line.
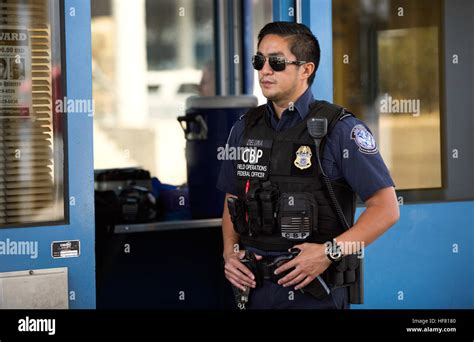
[307, 69]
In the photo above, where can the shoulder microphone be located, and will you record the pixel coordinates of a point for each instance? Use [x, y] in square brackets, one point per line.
[317, 128]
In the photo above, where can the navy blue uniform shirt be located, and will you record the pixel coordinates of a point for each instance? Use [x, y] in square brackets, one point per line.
[350, 152]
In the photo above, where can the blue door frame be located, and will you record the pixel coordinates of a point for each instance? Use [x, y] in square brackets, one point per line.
[81, 270]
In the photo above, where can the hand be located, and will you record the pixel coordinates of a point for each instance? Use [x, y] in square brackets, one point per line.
[236, 272]
[311, 262]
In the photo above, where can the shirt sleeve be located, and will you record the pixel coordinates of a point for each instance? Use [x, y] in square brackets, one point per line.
[226, 182]
[356, 158]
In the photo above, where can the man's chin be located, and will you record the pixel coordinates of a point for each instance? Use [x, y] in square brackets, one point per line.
[270, 95]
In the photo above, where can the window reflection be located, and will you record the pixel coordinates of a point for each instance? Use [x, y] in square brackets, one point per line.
[386, 69]
[31, 125]
[148, 57]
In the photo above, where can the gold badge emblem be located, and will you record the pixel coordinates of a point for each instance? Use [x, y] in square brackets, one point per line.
[303, 157]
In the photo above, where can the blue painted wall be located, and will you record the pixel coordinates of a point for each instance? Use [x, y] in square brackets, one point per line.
[425, 261]
[81, 182]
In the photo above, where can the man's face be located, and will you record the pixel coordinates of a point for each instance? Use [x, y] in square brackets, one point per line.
[17, 69]
[278, 85]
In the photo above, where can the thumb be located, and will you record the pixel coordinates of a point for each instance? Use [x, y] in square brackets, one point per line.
[258, 257]
[241, 254]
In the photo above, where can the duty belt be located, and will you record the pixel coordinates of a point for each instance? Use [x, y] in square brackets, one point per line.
[339, 274]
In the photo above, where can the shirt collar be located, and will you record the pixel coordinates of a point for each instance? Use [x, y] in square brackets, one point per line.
[301, 105]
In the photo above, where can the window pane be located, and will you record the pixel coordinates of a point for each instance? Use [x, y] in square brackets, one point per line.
[386, 70]
[148, 58]
[31, 145]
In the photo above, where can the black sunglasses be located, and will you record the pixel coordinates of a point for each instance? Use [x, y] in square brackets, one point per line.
[277, 63]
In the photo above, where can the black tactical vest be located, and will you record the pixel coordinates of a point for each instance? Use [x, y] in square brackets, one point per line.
[288, 161]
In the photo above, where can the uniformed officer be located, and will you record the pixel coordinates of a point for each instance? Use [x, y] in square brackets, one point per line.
[281, 156]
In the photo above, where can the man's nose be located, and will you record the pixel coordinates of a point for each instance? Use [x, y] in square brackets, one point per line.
[267, 69]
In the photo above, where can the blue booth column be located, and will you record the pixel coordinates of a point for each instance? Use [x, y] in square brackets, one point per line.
[317, 15]
[284, 10]
[80, 151]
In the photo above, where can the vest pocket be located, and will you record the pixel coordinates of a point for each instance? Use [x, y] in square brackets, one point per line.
[261, 201]
[237, 215]
[297, 215]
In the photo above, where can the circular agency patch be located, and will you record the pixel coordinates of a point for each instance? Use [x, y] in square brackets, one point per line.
[364, 139]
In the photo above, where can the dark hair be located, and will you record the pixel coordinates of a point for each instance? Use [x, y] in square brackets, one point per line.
[303, 44]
